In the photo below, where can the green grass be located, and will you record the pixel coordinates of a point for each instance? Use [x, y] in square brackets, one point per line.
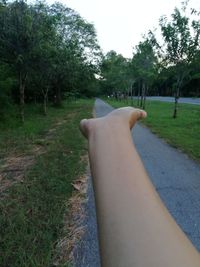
[31, 212]
[15, 136]
[182, 132]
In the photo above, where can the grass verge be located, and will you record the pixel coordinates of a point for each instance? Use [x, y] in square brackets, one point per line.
[182, 132]
[32, 209]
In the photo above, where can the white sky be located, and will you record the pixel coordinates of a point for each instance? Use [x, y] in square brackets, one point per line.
[121, 23]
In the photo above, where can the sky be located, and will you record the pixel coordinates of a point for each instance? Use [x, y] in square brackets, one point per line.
[120, 23]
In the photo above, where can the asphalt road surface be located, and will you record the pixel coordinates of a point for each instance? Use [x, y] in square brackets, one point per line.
[175, 177]
[183, 100]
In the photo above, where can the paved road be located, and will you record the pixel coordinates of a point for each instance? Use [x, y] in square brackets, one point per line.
[184, 100]
[175, 177]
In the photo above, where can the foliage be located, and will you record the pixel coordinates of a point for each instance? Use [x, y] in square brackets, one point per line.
[144, 65]
[168, 67]
[50, 49]
[181, 46]
[49, 52]
[7, 81]
[114, 73]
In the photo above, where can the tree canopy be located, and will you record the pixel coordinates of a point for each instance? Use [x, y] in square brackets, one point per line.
[159, 66]
[49, 53]
[45, 53]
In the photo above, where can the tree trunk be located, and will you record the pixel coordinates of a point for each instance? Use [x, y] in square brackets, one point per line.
[115, 96]
[176, 103]
[127, 96]
[45, 106]
[45, 98]
[58, 96]
[22, 102]
[138, 98]
[144, 96]
[132, 95]
[22, 83]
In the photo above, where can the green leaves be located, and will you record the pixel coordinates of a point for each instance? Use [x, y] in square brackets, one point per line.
[114, 70]
[49, 48]
[145, 61]
[181, 45]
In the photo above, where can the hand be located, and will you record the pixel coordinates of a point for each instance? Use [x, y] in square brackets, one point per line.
[125, 115]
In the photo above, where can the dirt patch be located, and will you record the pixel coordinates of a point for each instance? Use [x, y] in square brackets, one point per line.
[84, 159]
[51, 133]
[13, 168]
[38, 149]
[71, 115]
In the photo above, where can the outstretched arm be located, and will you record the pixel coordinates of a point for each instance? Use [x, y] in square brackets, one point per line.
[135, 228]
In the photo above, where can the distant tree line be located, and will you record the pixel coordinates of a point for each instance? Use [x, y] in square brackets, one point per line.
[47, 53]
[168, 69]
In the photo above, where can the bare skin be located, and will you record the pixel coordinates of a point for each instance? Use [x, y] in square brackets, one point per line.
[135, 229]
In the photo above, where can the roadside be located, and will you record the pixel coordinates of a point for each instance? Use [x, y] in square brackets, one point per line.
[182, 133]
[41, 164]
[183, 100]
[175, 177]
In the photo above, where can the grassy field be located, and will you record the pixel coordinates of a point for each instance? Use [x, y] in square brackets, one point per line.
[38, 163]
[182, 132]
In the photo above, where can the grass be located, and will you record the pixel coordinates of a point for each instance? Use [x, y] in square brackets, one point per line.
[32, 210]
[15, 136]
[182, 132]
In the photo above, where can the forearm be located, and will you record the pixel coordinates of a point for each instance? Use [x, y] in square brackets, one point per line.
[135, 229]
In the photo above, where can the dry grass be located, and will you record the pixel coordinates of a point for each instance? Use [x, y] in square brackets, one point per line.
[73, 229]
[14, 167]
[43, 207]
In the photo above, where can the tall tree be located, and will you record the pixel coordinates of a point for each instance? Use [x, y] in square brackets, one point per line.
[181, 46]
[49, 48]
[114, 72]
[17, 41]
[144, 64]
[79, 48]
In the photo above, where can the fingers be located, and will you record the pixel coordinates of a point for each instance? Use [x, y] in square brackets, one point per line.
[83, 127]
[127, 115]
[141, 114]
[130, 111]
[88, 126]
[135, 115]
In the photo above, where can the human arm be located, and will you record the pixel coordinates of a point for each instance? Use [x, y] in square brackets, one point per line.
[135, 228]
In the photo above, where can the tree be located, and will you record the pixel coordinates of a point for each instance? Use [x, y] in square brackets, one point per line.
[180, 46]
[194, 82]
[144, 65]
[79, 48]
[7, 80]
[114, 74]
[49, 49]
[16, 22]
